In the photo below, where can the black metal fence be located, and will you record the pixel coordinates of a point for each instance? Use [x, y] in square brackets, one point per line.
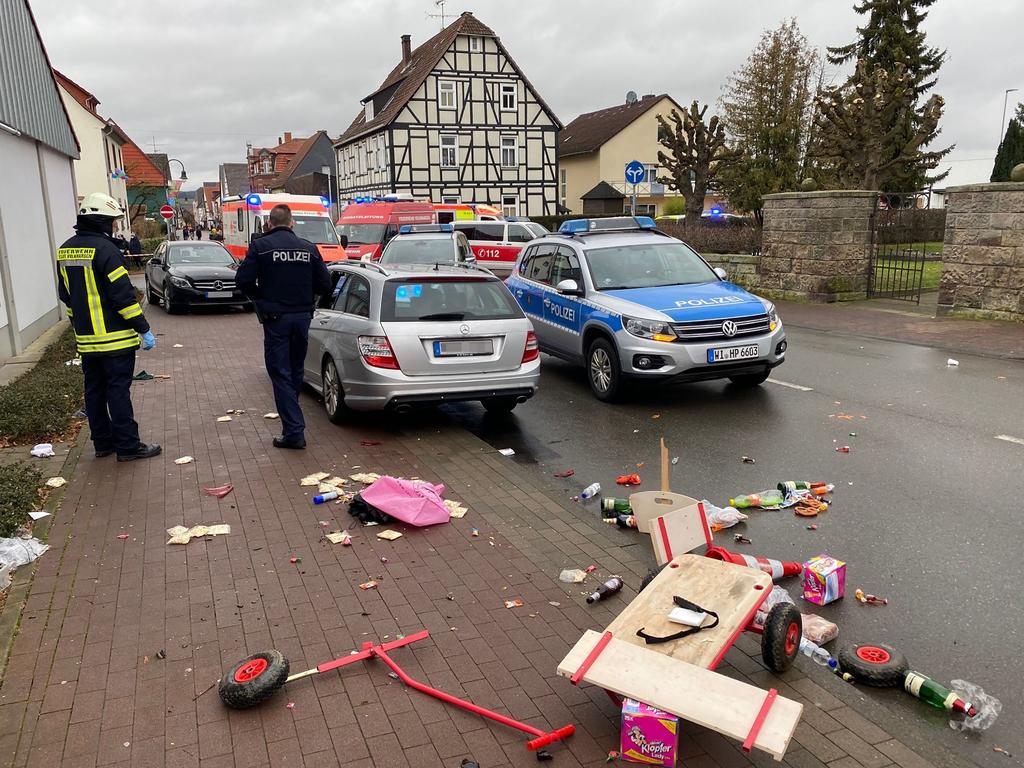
[902, 230]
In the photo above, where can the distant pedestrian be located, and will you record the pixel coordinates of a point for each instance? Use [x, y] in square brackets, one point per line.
[121, 243]
[283, 275]
[108, 322]
[135, 251]
[199, 232]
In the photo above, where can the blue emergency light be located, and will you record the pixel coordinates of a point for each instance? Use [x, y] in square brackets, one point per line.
[325, 201]
[407, 229]
[612, 224]
[253, 201]
[715, 212]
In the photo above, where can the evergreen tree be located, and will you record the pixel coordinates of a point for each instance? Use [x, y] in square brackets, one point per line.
[1011, 148]
[766, 110]
[892, 41]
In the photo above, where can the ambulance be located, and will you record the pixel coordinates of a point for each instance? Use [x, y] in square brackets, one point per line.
[449, 212]
[246, 216]
[368, 224]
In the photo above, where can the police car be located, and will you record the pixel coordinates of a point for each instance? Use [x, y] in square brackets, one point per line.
[628, 301]
[427, 244]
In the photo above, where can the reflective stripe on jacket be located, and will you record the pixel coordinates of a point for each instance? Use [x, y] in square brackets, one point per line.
[100, 297]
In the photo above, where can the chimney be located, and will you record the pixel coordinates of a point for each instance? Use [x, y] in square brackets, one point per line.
[406, 48]
[648, 96]
[287, 136]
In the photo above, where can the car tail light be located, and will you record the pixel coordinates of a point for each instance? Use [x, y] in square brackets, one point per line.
[376, 351]
[532, 351]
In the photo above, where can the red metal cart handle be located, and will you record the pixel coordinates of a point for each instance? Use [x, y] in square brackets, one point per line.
[551, 738]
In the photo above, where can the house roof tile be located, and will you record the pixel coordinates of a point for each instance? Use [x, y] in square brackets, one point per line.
[141, 170]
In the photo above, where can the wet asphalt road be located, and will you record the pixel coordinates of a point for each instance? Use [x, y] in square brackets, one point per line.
[928, 503]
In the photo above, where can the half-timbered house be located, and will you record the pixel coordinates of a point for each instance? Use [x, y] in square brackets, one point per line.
[456, 121]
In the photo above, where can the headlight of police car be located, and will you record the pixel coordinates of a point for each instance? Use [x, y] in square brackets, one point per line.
[181, 282]
[773, 316]
[649, 329]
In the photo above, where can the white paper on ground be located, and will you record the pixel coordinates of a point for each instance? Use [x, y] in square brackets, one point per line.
[38, 515]
[507, 451]
[42, 450]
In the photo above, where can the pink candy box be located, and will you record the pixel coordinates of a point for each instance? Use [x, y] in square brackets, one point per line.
[824, 579]
[649, 736]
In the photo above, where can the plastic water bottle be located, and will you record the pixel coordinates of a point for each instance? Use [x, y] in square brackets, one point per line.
[323, 498]
[770, 498]
[818, 654]
[590, 491]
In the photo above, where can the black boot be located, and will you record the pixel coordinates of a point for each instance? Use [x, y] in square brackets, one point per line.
[144, 452]
[281, 442]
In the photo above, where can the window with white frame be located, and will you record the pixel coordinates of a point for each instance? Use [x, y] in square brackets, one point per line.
[509, 152]
[449, 151]
[475, 45]
[445, 94]
[510, 205]
[562, 179]
[652, 174]
[508, 97]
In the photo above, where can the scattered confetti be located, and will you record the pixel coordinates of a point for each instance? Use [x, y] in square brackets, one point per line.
[591, 568]
[517, 603]
[339, 537]
[290, 705]
[122, 536]
[220, 491]
[368, 585]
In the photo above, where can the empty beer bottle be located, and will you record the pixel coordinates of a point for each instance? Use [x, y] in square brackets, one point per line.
[609, 588]
[940, 697]
[614, 507]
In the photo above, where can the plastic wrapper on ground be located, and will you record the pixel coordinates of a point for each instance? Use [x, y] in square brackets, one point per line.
[988, 707]
[726, 517]
[818, 629]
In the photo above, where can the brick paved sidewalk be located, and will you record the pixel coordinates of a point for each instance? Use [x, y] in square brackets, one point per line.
[84, 686]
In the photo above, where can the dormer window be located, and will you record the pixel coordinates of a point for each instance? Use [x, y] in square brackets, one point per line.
[368, 110]
[475, 45]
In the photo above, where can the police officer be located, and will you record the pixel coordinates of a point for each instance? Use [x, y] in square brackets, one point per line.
[283, 275]
[108, 321]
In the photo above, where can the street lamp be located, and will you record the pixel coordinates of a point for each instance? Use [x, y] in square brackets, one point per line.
[1002, 122]
[184, 176]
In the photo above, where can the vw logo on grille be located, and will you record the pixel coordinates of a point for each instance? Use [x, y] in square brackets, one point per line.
[464, 329]
[217, 285]
[729, 328]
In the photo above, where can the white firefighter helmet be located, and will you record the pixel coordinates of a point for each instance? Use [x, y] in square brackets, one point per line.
[99, 204]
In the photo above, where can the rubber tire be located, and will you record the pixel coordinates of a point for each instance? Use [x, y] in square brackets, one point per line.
[777, 627]
[499, 405]
[650, 576]
[341, 411]
[886, 675]
[171, 307]
[244, 695]
[151, 297]
[615, 386]
[751, 380]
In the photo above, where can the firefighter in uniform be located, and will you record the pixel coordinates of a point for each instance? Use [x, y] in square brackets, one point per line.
[108, 321]
[283, 275]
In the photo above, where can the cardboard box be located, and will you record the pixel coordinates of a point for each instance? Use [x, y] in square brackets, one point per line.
[649, 736]
[824, 579]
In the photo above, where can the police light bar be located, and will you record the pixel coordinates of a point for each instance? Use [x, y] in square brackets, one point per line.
[407, 229]
[612, 224]
[253, 201]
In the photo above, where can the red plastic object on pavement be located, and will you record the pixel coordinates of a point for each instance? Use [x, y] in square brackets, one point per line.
[777, 569]
[250, 672]
[220, 491]
[633, 479]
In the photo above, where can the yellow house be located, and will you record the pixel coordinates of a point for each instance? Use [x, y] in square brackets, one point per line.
[593, 151]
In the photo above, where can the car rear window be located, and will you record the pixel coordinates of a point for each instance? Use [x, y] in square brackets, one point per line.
[445, 299]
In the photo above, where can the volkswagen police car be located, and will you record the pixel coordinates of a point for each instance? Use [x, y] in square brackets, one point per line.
[427, 244]
[630, 302]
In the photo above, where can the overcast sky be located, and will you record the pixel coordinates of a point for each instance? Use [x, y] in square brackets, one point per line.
[200, 78]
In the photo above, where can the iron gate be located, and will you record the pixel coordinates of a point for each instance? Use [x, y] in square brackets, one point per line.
[900, 230]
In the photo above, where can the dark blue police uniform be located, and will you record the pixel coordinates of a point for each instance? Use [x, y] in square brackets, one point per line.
[283, 274]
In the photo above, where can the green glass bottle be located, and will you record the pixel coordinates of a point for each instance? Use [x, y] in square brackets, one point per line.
[940, 697]
[614, 507]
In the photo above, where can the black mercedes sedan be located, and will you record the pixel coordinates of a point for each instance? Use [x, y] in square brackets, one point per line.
[193, 273]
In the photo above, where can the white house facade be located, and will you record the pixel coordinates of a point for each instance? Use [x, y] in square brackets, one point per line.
[37, 185]
[456, 121]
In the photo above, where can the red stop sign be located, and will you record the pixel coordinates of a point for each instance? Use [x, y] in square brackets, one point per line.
[167, 212]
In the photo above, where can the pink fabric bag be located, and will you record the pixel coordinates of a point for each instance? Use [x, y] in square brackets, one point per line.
[415, 502]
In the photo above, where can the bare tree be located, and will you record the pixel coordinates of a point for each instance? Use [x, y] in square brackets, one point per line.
[697, 154]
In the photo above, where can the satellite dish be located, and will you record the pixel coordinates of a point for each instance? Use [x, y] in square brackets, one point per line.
[631, 97]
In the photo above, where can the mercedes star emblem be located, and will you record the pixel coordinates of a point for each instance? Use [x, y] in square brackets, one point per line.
[729, 328]
[464, 329]
[217, 285]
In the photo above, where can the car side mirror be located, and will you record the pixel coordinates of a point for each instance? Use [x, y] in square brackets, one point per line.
[722, 274]
[344, 240]
[568, 288]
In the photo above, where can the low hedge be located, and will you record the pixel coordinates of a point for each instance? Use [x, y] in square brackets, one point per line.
[37, 406]
[150, 244]
[19, 493]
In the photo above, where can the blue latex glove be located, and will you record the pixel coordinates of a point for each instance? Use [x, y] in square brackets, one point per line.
[148, 340]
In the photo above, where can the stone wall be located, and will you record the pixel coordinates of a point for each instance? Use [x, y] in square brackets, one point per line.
[983, 251]
[740, 268]
[816, 246]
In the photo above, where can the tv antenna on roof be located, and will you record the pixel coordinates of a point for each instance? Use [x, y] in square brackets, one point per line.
[441, 15]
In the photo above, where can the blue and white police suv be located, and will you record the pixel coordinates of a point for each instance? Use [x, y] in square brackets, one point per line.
[631, 302]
